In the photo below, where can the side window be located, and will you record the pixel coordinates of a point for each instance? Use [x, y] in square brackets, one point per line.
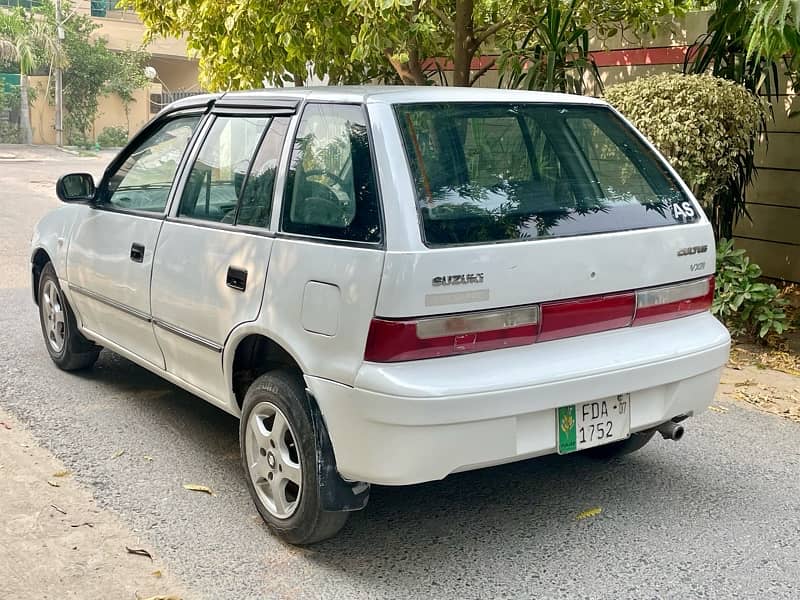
[330, 187]
[145, 178]
[212, 189]
[255, 203]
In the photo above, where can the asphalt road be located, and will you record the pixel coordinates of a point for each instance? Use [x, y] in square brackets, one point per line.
[716, 515]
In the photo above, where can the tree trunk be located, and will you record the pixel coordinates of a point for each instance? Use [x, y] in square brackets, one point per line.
[464, 48]
[25, 110]
[410, 72]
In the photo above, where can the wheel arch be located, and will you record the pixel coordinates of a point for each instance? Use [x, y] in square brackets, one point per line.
[39, 258]
[251, 352]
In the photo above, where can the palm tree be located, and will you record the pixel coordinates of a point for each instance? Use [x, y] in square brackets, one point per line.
[28, 42]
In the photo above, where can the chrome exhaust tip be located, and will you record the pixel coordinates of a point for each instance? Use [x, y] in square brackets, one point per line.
[671, 431]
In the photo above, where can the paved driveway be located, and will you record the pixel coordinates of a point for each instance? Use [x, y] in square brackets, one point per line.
[716, 515]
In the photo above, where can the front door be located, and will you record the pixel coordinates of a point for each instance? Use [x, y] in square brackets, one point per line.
[212, 256]
[110, 256]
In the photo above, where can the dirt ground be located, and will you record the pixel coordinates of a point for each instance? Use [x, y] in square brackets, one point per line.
[55, 543]
[764, 378]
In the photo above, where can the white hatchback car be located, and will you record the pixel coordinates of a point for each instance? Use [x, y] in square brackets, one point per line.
[390, 285]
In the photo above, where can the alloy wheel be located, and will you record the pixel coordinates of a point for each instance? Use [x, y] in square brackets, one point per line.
[273, 460]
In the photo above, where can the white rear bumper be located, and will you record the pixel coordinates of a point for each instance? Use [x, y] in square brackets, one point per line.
[411, 422]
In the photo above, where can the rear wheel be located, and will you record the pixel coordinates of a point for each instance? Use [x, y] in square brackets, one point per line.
[279, 455]
[608, 451]
[67, 347]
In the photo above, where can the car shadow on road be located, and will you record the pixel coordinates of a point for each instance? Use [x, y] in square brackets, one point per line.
[531, 506]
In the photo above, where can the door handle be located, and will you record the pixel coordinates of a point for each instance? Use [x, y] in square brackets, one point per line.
[236, 278]
[137, 252]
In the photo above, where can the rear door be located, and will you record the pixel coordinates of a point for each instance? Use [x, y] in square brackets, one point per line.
[328, 258]
[530, 202]
[214, 249]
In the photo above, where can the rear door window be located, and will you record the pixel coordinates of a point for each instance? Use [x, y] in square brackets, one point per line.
[330, 188]
[212, 189]
[501, 172]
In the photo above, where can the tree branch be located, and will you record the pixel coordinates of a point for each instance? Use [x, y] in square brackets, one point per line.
[484, 34]
[447, 21]
[481, 72]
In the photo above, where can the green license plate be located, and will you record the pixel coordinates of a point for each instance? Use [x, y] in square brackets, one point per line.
[590, 424]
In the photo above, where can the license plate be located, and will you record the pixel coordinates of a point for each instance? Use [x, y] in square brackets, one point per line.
[582, 426]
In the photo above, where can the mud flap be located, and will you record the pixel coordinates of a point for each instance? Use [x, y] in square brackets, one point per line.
[336, 494]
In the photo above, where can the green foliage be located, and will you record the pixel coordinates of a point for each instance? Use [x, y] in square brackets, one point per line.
[774, 34]
[750, 42]
[92, 71]
[747, 305]
[553, 55]
[9, 101]
[113, 137]
[239, 44]
[705, 127]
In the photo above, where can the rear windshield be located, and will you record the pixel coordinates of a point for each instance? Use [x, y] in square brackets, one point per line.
[502, 172]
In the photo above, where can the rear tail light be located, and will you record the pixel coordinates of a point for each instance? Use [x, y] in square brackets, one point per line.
[390, 341]
[568, 318]
[430, 337]
[673, 301]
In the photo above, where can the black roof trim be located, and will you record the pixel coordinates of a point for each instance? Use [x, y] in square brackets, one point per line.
[230, 100]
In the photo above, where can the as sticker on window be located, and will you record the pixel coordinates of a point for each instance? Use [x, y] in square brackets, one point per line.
[683, 211]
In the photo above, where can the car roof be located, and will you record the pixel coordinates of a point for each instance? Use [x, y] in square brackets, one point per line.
[401, 94]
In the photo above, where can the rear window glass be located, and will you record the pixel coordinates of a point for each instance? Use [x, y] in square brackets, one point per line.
[501, 172]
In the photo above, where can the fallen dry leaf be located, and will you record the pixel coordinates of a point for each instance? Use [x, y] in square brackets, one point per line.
[86, 523]
[5, 425]
[59, 509]
[591, 512]
[139, 552]
[745, 383]
[719, 409]
[147, 458]
[170, 597]
[63, 473]
[53, 483]
[156, 574]
[192, 487]
[117, 454]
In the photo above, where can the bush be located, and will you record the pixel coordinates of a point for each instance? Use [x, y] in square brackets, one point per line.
[705, 126]
[745, 304]
[113, 137]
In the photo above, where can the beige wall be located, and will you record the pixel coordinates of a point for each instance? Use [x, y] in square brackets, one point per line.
[123, 29]
[176, 74]
[111, 112]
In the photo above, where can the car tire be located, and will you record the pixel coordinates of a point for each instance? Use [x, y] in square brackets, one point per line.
[609, 451]
[279, 455]
[68, 348]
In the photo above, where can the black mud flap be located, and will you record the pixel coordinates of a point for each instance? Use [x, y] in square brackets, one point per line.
[336, 494]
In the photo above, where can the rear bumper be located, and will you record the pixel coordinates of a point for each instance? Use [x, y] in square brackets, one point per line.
[420, 421]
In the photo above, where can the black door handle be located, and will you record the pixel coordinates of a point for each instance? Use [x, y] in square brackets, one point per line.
[137, 252]
[237, 278]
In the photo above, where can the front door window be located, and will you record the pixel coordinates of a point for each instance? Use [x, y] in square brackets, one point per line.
[143, 181]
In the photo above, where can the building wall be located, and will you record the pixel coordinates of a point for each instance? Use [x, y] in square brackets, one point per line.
[111, 112]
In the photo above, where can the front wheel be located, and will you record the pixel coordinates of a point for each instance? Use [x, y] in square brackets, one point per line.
[68, 348]
[279, 455]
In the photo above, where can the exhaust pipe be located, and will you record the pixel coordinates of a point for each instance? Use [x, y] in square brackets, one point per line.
[671, 431]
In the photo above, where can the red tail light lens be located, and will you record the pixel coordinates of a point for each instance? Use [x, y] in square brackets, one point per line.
[390, 341]
[673, 301]
[586, 315]
[430, 337]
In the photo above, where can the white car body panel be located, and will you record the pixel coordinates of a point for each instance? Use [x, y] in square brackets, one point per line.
[190, 297]
[101, 274]
[404, 422]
